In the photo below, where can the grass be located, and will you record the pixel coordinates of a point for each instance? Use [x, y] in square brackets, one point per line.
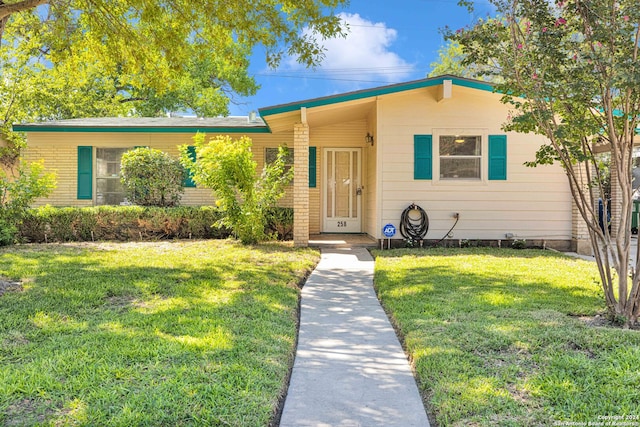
[499, 337]
[171, 333]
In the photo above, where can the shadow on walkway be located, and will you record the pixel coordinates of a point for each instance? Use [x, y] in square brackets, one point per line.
[350, 369]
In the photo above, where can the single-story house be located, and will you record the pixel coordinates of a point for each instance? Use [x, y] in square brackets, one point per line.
[360, 159]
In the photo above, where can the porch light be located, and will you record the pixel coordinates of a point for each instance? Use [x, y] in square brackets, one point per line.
[368, 139]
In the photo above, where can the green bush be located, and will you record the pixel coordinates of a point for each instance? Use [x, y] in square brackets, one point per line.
[151, 177]
[227, 167]
[17, 193]
[280, 222]
[133, 223]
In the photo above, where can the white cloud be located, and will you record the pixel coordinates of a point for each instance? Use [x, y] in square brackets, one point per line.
[364, 54]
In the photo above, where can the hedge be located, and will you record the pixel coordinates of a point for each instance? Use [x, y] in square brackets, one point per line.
[134, 223]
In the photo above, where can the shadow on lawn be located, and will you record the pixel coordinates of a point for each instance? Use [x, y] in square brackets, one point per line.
[194, 343]
[495, 284]
[496, 344]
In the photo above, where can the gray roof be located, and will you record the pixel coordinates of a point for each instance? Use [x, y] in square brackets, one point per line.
[145, 124]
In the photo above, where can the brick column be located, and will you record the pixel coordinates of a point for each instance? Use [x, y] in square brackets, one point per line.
[580, 232]
[616, 199]
[579, 229]
[301, 184]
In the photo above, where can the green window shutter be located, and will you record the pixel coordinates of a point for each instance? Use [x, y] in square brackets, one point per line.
[498, 157]
[312, 167]
[85, 173]
[188, 179]
[422, 156]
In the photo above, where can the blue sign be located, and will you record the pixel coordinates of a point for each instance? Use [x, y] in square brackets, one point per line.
[389, 230]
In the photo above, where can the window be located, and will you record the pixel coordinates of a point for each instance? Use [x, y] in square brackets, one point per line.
[109, 190]
[460, 157]
[271, 153]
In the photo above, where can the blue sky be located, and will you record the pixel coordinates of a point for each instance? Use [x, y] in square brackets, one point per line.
[389, 42]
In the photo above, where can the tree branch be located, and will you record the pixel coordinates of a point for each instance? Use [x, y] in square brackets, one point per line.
[139, 98]
[8, 9]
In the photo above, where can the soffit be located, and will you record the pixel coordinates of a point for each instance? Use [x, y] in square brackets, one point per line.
[321, 116]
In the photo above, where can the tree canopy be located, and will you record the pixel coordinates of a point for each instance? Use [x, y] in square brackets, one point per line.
[450, 61]
[78, 58]
[570, 71]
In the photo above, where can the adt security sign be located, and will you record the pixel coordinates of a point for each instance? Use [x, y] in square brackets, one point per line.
[389, 230]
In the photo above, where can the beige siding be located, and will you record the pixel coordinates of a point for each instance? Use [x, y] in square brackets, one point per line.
[4, 169]
[371, 181]
[59, 152]
[532, 203]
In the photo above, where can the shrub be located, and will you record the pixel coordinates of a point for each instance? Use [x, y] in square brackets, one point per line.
[124, 223]
[151, 177]
[519, 244]
[227, 167]
[280, 222]
[132, 223]
[17, 193]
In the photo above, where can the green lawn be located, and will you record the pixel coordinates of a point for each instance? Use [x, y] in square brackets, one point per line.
[168, 333]
[500, 337]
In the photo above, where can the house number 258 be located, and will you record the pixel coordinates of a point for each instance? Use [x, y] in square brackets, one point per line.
[342, 223]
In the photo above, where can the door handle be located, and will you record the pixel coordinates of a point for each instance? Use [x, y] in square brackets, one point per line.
[359, 191]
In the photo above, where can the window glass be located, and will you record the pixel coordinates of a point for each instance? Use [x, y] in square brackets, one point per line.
[271, 154]
[460, 157]
[109, 190]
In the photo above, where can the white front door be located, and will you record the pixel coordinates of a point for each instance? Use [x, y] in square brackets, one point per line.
[342, 202]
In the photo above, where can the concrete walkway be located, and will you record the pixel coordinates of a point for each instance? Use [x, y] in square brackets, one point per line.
[350, 369]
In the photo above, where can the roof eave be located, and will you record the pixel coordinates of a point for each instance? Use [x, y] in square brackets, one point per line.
[139, 129]
[373, 92]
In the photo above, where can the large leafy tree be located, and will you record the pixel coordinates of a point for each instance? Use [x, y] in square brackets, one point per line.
[78, 58]
[570, 70]
[163, 35]
[450, 61]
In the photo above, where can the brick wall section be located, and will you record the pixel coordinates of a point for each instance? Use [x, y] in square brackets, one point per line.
[580, 234]
[616, 199]
[59, 151]
[301, 184]
[580, 231]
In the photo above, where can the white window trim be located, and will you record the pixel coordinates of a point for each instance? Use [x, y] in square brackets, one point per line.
[483, 133]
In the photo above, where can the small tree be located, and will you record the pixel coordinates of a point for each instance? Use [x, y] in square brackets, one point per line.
[227, 167]
[17, 192]
[151, 177]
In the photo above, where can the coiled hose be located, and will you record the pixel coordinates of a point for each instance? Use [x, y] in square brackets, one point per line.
[414, 223]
